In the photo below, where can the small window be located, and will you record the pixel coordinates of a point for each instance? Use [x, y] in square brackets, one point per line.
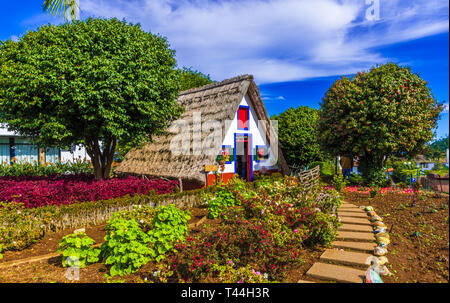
[243, 117]
[228, 151]
[261, 153]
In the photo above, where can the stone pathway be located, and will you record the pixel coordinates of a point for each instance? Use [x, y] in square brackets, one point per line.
[352, 250]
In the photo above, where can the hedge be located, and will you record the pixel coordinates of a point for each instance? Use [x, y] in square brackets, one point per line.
[20, 227]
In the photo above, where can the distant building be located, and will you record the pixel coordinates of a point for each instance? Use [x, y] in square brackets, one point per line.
[12, 145]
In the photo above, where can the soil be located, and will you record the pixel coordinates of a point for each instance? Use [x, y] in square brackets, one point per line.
[423, 258]
[413, 257]
[51, 271]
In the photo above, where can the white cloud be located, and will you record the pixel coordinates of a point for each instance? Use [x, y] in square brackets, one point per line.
[268, 97]
[446, 108]
[277, 40]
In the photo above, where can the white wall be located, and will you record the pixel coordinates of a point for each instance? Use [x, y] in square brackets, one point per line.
[4, 131]
[66, 155]
[79, 153]
[258, 138]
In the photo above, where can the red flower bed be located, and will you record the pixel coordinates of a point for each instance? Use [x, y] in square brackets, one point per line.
[68, 189]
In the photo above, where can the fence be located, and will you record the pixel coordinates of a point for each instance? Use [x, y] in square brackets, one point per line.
[309, 177]
[435, 182]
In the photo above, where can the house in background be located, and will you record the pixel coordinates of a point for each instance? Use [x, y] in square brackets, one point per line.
[20, 148]
[237, 105]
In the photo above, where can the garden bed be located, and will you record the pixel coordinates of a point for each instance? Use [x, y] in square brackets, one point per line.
[419, 249]
[50, 270]
[270, 231]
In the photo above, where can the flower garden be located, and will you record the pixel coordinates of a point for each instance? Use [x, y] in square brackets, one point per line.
[265, 231]
[144, 230]
[67, 189]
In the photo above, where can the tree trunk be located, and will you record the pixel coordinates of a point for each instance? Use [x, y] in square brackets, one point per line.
[101, 159]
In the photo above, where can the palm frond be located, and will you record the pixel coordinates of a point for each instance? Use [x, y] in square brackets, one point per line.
[56, 7]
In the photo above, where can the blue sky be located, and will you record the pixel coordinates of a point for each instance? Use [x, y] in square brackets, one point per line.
[294, 48]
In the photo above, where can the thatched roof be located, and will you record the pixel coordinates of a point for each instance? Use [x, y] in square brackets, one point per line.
[217, 101]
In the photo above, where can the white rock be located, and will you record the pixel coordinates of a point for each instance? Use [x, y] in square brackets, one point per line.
[79, 231]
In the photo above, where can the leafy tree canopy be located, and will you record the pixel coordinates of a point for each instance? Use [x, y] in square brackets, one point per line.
[99, 80]
[298, 135]
[385, 111]
[441, 144]
[190, 78]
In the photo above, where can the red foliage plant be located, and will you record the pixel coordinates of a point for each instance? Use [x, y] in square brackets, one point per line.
[68, 189]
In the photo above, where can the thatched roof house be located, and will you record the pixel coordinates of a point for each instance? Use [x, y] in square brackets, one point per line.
[221, 102]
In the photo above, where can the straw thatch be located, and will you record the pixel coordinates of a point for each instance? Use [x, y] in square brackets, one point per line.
[217, 101]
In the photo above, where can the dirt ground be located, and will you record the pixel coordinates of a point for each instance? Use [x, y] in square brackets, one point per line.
[418, 252]
[51, 271]
[419, 234]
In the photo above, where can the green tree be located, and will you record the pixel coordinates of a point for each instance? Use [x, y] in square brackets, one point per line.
[190, 78]
[93, 82]
[297, 134]
[386, 111]
[437, 149]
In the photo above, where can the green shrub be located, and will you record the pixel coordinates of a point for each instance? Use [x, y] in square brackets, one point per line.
[373, 192]
[219, 201]
[376, 178]
[1, 249]
[24, 169]
[169, 227]
[143, 214]
[20, 226]
[264, 237]
[402, 185]
[324, 229]
[326, 170]
[338, 182]
[356, 179]
[228, 273]
[126, 247]
[77, 250]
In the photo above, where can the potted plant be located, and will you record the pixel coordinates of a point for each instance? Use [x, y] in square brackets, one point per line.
[222, 159]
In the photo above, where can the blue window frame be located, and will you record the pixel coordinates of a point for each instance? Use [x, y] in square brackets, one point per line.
[250, 140]
[230, 150]
[265, 155]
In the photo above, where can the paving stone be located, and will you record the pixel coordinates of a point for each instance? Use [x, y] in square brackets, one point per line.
[359, 246]
[359, 221]
[304, 281]
[337, 273]
[355, 236]
[347, 257]
[352, 214]
[353, 210]
[356, 227]
[344, 207]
